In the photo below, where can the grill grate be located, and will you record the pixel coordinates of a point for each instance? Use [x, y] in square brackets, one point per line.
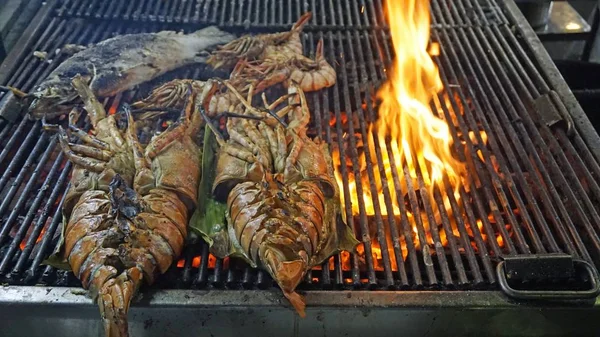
[533, 186]
[233, 13]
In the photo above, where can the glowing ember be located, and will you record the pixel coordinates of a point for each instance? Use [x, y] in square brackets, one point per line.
[196, 262]
[39, 238]
[434, 49]
[212, 261]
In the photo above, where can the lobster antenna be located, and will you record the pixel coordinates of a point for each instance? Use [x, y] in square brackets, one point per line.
[16, 92]
[235, 115]
[208, 121]
[274, 115]
[166, 110]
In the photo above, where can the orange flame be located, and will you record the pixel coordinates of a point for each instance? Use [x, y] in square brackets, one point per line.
[418, 137]
[419, 141]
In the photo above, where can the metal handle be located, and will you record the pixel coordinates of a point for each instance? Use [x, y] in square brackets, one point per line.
[552, 294]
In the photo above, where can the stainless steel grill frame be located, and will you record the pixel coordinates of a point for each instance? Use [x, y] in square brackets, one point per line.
[486, 43]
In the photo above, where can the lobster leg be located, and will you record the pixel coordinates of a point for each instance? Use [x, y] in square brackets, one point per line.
[281, 148]
[96, 111]
[88, 139]
[165, 139]
[290, 161]
[277, 102]
[143, 181]
[90, 151]
[242, 100]
[301, 116]
[238, 152]
[114, 132]
[87, 163]
[259, 142]
[269, 134]
[94, 108]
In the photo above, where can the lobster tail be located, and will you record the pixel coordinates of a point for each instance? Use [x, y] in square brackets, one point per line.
[297, 302]
[114, 300]
[288, 274]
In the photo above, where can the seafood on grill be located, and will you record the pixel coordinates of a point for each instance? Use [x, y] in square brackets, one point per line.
[172, 95]
[276, 58]
[223, 101]
[262, 46]
[127, 215]
[120, 63]
[277, 191]
[310, 75]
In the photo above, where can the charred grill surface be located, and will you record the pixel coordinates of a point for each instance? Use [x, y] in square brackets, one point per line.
[533, 181]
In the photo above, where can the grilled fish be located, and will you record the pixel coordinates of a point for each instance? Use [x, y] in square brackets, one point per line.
[120, 63]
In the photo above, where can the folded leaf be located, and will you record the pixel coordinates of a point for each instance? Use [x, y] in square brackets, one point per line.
[341, 237]
[57, 258]
[209, 218]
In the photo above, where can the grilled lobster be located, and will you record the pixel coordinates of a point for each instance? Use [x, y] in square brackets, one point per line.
[267, 59]
[260, 46]
[131, 229]
[281, 196]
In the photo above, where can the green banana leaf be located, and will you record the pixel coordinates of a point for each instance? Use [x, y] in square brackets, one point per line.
[340, 236]
[209, 219]
[57, 259]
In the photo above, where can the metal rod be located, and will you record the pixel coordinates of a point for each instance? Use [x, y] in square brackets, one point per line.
[34, 207]
[386, 193]
[58, 189]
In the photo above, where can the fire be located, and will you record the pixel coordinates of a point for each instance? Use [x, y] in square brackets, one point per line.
[418, 137]
[420, 142]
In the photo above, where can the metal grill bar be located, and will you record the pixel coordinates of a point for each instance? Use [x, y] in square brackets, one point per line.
[506, 123]
[552, 142]
[359, 14]
[532, 190]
